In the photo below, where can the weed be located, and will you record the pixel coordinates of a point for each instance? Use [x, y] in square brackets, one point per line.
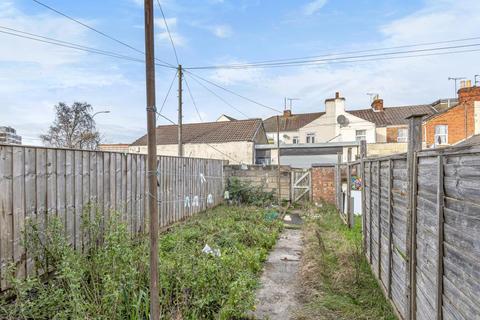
[245, 193]
[111, 280]
[337, 282]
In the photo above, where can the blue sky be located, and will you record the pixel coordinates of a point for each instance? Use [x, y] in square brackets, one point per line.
[34, 76]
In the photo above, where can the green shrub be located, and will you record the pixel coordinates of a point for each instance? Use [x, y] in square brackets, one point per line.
[111, 279]
[245, 193]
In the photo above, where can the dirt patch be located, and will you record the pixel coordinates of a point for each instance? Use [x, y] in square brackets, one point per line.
[276, 298]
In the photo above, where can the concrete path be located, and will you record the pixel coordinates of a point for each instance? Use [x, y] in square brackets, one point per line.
[276, 296]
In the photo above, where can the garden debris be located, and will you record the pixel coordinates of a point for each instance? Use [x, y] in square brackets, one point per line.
[208, 250]
[271, 215]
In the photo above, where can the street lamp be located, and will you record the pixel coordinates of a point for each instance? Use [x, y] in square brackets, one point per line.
[105, 111]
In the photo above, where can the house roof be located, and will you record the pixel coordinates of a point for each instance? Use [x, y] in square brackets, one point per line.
[207, 132]
[392, 115]
[290, 123]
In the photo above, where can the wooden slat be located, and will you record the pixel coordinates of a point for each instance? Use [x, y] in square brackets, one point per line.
[30, 199]
[78, 199]
[18, 188]
[41, 195]
[6, 211]
[70, 196]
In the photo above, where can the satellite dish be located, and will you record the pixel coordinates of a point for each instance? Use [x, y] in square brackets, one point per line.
[285, 136]
[342, 120]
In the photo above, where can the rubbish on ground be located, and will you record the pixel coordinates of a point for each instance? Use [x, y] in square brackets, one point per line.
[226, 195]
[271, 215]
[287, 218]
[208, 250]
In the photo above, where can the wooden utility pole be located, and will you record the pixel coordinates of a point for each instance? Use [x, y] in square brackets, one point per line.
[152, 158]
[180, 107]
[278, 161]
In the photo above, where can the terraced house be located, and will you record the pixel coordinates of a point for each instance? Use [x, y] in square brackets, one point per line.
[227, 139]
[384, 128]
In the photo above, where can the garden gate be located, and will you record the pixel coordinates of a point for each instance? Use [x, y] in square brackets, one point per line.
[301, 184]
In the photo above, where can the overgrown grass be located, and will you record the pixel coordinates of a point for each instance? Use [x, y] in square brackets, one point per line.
[111, 280]
[336, 279]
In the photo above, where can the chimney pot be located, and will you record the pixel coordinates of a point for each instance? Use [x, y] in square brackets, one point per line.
[287, 113]
[337, 95]
[377, 105]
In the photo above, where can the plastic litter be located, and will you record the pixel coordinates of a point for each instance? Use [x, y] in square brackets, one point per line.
[271, 215]
[208, 250]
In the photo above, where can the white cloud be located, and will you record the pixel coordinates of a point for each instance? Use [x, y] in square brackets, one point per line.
[222, 31]
[399, 82]
[314, 6]
[163, 37]
[235, 76]
[35, 76]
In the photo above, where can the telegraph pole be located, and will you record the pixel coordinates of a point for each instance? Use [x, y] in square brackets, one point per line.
[278, 161]
[152, 158]
[180, 106]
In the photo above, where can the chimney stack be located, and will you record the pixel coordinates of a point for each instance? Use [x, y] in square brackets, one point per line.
[377, 104]
[468, 93]
[287, 113]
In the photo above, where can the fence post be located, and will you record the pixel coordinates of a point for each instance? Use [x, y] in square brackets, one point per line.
[390, 226]
[363, 152]
[370, 212]
[414, 145]
[348, 202]
[440, 206]
[339, 181]
[379, 219]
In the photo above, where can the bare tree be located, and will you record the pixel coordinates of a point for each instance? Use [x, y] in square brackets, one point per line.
[73, 127]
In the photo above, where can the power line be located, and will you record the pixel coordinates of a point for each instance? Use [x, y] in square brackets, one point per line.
[221, 98]
[316, 61]
[69, 45]
[168, 31]
[96, 30]
[193, 100]
[165, 117]
[232, 92]
[168, 92]
[201, 120]
[367, 50]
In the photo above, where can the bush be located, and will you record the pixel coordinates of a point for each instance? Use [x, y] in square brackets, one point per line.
[111, 280]
[245, 193]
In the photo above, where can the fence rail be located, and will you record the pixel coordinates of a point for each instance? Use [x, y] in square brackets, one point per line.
[421, 230]
[38, 183]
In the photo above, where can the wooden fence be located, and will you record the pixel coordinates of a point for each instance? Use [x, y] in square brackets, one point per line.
[38, 183]
[421, 230]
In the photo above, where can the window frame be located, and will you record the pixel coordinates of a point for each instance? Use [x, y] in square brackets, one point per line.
[310, 138]
[357, 135]
[295, 140]
[436, 135]
[402, 139]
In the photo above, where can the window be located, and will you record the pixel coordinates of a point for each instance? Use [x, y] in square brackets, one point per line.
[402, 135]
[360, 135]
[295, 140]
[441, 134]
[310, 137]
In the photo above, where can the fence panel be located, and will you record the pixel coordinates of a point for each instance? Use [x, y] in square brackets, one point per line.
[38, 184]
[446, 222]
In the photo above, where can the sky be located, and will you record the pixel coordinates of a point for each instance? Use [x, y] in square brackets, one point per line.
[35, 76]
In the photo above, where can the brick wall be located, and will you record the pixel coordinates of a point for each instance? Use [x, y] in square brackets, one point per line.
[456, 118]
[392, 134]
[264, 176]
[323, 184]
